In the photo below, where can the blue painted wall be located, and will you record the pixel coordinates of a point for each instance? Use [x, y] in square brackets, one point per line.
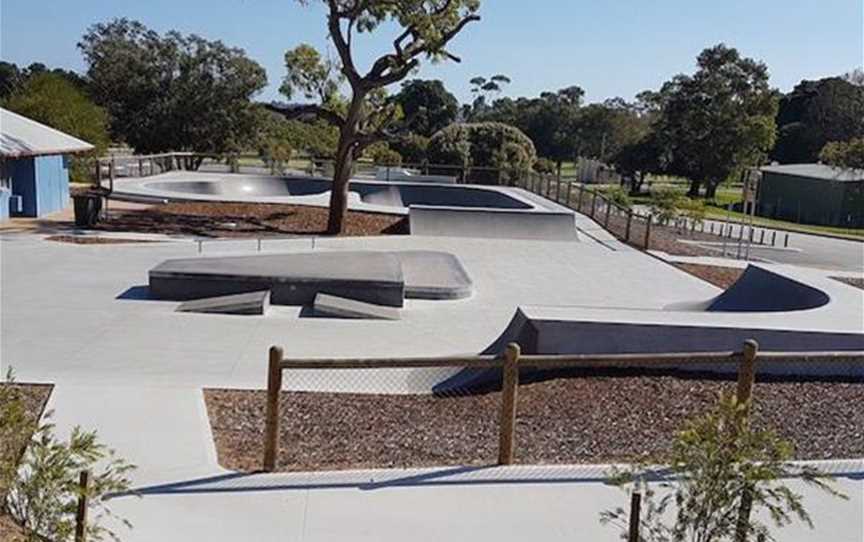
[42, 182]
[4, 204]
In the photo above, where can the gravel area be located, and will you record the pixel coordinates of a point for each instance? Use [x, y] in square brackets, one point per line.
[34, 397]
[722, 277]
[596, 417]
[246, 220]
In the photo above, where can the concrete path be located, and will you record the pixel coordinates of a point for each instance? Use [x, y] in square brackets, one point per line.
[133, 370]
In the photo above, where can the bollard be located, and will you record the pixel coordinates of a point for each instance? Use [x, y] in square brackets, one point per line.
[774, 238]
[786, 242]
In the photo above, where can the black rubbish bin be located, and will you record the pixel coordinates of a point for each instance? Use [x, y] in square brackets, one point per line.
[87, 209]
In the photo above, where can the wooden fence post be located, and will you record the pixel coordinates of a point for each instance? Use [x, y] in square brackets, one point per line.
[581, 197]
[608, 212]
[747, 374]
[648, 232]
[558, 190]
[569, 192]
[271, 428]
[509, 388]
[635, 513]
[593, 204]
[629, 225]
[743, 396]
[81, 512]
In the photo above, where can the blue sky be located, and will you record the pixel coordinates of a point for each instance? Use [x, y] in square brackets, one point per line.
[610, 48]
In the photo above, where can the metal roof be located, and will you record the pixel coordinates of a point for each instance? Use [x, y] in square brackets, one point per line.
[21, 137]
[817, 171]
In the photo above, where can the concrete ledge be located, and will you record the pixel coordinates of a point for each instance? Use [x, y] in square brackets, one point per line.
[293, 279]
[340, 307]
[254, 303]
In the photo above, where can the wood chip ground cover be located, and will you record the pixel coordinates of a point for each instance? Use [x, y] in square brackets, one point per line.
[593, 418]
[240, 220]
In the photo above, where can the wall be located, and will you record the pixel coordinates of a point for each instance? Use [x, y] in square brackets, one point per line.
[808, 200]
[4, 204]
[42, 182]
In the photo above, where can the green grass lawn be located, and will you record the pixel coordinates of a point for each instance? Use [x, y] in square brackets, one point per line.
[722, 214]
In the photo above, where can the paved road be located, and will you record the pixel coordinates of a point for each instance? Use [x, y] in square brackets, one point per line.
[803, 249]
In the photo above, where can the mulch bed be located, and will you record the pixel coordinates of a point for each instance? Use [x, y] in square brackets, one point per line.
[858, 283]
[34, 398]
[722, 277]
[91, 240]
[595, 418]
[240, 220]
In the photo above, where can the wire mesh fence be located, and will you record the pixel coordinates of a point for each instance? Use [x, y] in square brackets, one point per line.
[551, 410]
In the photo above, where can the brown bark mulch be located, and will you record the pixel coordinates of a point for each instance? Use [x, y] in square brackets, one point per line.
[722, 277]
[596, 418]
[34, 398]
[91, 240]
[239, 220]
[858, 283]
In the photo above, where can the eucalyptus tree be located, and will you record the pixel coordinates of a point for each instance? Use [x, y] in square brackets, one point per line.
[364, 116]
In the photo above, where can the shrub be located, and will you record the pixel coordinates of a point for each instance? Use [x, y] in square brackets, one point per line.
[41, 491]
[276, 153]
[545, 165]
[411, 147]
[619, 196]
[385, 156]
[484, 145]
[716, 460]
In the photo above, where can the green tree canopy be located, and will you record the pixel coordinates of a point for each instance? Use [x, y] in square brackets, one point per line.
[817, 112]
[427, 106]
[51, 99]
[844, 154]
[172, 92]
[366, 116]
[719, 120]
[483, 145]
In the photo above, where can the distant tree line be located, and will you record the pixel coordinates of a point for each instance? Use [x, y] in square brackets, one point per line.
[173, 92]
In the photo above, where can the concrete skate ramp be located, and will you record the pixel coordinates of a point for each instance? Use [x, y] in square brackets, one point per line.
[385, 194]
[492, 223]
[820, 315]
[383, 278]
[761, 290]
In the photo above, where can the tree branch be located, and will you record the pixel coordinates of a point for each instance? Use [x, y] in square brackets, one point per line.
[296, 111]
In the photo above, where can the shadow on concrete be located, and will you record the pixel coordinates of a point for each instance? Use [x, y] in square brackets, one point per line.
[239, 482]
[136, 293]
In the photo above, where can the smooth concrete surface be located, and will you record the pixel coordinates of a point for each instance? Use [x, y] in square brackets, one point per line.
[340, 307]
[383, 278]
[133, 369]
[253, 303]
[434, 209]
[293, 279]
[492, 223]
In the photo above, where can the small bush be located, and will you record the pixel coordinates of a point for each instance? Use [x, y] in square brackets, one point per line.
[39, 485]
[619, 196]
[484, 145]
[411, 147]
[545, 166]
[385, 156]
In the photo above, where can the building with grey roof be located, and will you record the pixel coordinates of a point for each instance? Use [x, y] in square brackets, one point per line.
[813, 194]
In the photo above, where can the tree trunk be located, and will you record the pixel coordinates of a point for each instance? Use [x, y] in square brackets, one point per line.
[694, 188]
[339, 190]
[710, 189]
